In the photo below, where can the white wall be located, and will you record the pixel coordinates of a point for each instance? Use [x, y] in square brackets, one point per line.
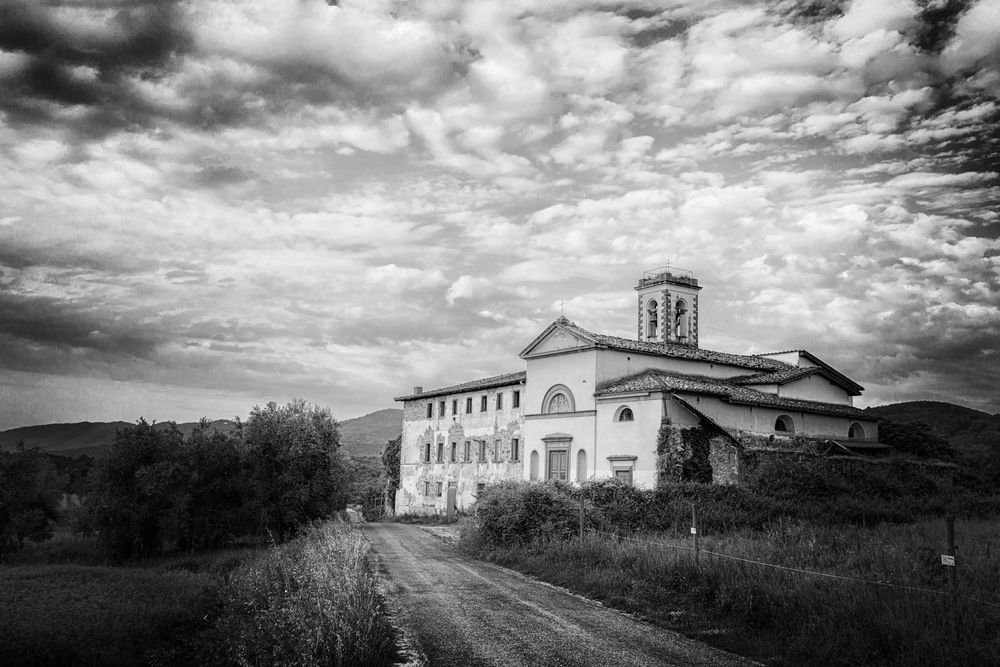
[576, 370]
[815, 388]
[636, 438]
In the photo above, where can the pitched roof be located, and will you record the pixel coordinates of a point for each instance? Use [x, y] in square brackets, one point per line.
[780, 376]
[659, 380]
[674, 350]
[501, 380]
[832, 373]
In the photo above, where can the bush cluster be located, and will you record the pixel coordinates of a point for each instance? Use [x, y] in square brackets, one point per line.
[157, 488]
[512, 513]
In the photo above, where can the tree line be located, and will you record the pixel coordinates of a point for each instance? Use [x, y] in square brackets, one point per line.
[158, 489]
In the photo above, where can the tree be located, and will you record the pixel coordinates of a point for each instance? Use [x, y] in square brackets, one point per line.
[136, 490]
[914, 438]
[294, 468]
[29, 496]
[390, 469]
[210, 499]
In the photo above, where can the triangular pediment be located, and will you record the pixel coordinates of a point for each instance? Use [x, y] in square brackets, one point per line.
[555, 339]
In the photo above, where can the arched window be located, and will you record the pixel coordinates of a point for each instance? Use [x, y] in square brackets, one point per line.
[856, 432]
[681, 321]
[534, 466]
[784, 424]
[558, 399]
[652, 318]
[558, 403]
[581, 466]
[624, 414]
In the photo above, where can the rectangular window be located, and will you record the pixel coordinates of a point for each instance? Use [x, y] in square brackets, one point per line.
[482, 451]
[440, 456]
[427, 454]
[430, 410]
[499, 400]
[454, 407]
[517, 400]
[427, 488]
[468, 450]
[454, 452]
[480, 487]
[441, 409]
[468, 405]
[439, 489]
[515, 450]
[482, 404]
[496, 451]
[624, 475]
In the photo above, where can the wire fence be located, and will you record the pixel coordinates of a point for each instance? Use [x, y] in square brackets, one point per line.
[697, 550]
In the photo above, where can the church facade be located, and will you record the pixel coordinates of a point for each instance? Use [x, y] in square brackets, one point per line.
[654, 409]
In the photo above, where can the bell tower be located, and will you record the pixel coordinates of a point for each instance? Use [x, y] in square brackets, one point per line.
[668, 306]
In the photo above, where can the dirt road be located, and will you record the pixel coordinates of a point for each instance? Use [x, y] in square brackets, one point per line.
[465, 612]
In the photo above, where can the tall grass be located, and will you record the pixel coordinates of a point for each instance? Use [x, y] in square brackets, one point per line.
[312, 601]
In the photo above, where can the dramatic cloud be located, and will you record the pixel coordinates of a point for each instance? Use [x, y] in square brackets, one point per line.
[214, 203]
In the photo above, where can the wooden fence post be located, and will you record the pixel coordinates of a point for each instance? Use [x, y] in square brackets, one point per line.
[694, 532]
[953, 576]
[581, 519]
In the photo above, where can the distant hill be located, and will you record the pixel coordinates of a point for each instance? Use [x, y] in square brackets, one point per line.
[970, 432]
[366, 435]
[90, 438]
[361, 436]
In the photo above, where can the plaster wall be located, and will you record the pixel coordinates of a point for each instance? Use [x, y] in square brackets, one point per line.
[575, 370]
[579, 427]
[615, 364]
[497, 428]
[757, 419]
[815, 388]
[635, 438]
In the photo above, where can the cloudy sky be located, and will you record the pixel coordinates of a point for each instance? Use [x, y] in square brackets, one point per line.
[209, 204]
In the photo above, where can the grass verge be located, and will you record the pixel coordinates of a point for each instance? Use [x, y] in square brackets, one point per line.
[786, 618]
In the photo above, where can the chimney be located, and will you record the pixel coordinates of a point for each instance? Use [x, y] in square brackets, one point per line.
[418, 390]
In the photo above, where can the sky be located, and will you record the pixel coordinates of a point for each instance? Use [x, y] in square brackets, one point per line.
[211, 204]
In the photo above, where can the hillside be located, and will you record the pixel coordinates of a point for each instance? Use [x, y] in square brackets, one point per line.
[90, 438]
[970, 432]
[361, 436]
[366, 435]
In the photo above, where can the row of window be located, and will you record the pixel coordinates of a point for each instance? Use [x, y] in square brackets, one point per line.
[515, 451]
[438, 487]
[483, 404]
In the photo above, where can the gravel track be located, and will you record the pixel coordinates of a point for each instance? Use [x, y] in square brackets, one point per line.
[465, 612]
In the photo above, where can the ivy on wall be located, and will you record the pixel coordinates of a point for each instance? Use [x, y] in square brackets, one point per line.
[682, 455]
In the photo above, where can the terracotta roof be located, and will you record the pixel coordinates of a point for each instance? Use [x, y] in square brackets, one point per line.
[472, 385]
[676, 350]
[666, 381]
[776, 377]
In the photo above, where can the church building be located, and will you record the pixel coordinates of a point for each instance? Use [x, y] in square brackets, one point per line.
[655, 409]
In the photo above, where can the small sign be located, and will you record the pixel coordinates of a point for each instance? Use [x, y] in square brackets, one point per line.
[947, 560]
[694, 531]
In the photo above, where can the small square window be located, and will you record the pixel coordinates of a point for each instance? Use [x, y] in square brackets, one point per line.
[480, 487]
[516, 402]
[624, 475]
[499, 400]
[468, 405]
[482, 404]
[430, 410]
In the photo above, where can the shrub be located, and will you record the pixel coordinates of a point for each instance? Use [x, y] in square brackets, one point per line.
[513, 513]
